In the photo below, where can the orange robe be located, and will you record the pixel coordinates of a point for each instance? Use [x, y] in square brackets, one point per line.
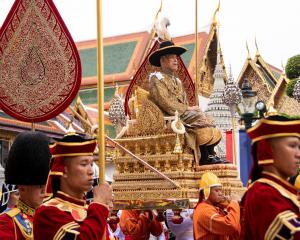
[211, 223]
[137, 226]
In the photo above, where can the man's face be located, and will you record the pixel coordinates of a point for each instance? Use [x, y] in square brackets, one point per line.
[216, 195]
[286, 154]
[170, 62]
[13, 198]
[32, 195]
[78, 176]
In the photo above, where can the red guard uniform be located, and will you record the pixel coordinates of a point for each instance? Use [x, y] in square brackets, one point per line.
[277, 200]
[65, 217]
[270, 205]
[27, 165]
[137, 226]
[16, 223]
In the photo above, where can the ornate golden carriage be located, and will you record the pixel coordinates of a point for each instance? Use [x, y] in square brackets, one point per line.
[148, 136]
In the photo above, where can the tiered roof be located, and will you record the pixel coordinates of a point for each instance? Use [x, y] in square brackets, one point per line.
[269, 82]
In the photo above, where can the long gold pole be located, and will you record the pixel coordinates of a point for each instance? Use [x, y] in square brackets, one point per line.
[233, 140]
[196, 49]
[100, 94]
[232, 111]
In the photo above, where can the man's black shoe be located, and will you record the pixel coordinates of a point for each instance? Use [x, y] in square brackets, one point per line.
[211, 160]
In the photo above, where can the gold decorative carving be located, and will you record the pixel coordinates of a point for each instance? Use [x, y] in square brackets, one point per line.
[258, 85]
[150, 119]
[150, 137]
[288, 105]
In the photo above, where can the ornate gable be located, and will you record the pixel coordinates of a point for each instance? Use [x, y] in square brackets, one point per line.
[207, 63]
[265, 69]
[281, 101]
[256, 80]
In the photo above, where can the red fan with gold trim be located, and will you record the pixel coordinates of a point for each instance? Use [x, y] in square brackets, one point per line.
[40, 69]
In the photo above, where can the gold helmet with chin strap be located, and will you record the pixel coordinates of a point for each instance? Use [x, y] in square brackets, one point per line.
[207, 181]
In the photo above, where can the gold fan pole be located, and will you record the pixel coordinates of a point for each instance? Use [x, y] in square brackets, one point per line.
[32, 127]
[100, 94]
[232, 111]
[233, 141]
[196, 49]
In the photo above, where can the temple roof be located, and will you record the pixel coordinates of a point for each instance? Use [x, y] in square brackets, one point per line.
[10, 124]
[262, 76]
[207, 62]
[270, 84]
[124, 54]
[282, 102]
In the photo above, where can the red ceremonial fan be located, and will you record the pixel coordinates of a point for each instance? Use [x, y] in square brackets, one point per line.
[40, 70]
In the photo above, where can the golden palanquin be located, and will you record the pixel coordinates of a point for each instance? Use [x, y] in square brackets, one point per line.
[149, 136]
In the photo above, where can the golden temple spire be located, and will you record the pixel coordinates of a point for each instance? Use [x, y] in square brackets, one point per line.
[257, 52]
[283, 69]
[249, 56]
[215, 15]
[271, 110]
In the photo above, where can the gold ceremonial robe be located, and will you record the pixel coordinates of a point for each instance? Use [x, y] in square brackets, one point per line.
[167, 93]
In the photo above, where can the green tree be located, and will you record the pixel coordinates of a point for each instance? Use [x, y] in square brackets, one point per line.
[292, 70]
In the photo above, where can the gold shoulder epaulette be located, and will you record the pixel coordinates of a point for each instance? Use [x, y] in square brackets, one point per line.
[13, 212]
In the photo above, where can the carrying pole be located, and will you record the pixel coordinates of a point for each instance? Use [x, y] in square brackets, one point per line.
[100, 94]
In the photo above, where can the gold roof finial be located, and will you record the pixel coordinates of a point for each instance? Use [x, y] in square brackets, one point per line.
[215, 15]
[283, 68]
[257, 52]
[271, 110]
[70, 129]
[249, 56]
[78, 100]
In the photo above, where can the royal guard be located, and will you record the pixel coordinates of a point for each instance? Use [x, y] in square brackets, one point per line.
[270, 205]
[27, 167]
[215, 216]
[66, 215]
